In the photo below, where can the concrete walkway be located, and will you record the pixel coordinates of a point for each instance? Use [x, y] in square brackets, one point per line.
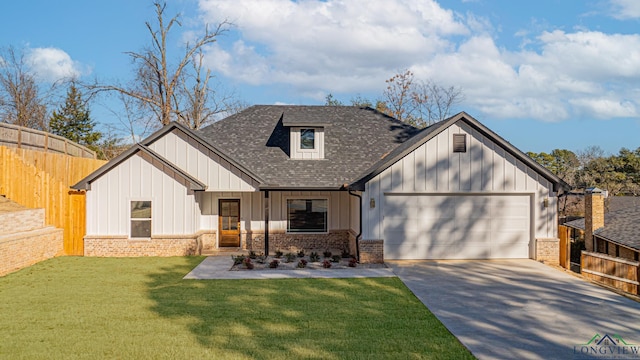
[522, 309]
[217, 267]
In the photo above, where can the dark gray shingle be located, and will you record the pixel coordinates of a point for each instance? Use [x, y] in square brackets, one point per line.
[620, 226]
[355, 139]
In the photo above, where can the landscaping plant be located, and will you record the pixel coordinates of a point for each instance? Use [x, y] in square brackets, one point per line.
[314, 257]
[302, 264]
[247, 263]
[288, 257]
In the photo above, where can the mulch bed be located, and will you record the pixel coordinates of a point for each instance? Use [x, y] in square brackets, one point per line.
[259, 264]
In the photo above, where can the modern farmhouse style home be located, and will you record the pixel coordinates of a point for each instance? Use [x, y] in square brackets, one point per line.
[324, 177]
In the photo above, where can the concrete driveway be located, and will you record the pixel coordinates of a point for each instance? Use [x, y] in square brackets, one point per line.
[522, 309]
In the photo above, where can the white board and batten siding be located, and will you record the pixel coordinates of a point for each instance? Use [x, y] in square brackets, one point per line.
[307, 154]
[139, 177]
[485, 178]
[251, 209]
[201, 163]
[340, 216]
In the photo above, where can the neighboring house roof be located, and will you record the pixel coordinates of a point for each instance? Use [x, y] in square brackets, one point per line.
[354, 139]
[430, 132]
[85, 184]
[620, 226]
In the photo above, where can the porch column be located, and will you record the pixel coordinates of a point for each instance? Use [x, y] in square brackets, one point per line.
[266, 222]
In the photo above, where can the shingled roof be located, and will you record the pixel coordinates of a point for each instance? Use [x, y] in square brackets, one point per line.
[621, 227]
[355, 139]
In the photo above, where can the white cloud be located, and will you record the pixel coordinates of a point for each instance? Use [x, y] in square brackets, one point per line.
[625, 9]
[52, 64]
[342, 46]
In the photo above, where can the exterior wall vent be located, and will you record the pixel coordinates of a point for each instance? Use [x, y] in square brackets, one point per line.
[459, 143]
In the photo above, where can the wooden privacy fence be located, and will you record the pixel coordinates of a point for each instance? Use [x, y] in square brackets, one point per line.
[31, 139]
[37, 179]
[619, 273]
[565, 246]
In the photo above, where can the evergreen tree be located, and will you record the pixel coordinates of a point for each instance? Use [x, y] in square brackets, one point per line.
[73, 121]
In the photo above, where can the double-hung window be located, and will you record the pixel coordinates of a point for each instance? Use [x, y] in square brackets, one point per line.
[307, 215]
[141, 219]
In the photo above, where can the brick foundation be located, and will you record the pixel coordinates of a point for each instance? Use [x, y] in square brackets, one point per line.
[371, 251]
[165, 245]
[208, 240]
[548, 251]
[335, 240]
[25, 248]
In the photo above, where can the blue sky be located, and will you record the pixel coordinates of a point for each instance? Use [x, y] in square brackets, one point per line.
[546, 74]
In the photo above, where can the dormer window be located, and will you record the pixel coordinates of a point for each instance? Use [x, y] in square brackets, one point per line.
[307, 139]
[307, 143]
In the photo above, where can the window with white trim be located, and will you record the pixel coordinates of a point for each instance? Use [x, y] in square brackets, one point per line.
[307, 139]
[307, 215]
[140, 219]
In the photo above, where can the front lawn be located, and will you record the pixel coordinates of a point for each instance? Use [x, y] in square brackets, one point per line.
[93, 308]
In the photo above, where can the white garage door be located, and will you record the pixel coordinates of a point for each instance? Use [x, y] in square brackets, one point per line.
[457, 226]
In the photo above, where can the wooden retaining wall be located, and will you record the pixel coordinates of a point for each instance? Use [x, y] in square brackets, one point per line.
[31, 139]
[37, 179]
[616, 272]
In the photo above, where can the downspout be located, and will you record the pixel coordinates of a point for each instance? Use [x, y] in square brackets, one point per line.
[360, 223]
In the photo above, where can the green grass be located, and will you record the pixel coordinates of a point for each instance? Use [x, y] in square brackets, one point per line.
[90, 308]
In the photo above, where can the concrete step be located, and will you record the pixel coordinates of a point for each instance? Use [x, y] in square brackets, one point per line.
[224, 251]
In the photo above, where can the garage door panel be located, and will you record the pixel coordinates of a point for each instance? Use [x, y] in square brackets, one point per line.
[457, 226]
[515, 224]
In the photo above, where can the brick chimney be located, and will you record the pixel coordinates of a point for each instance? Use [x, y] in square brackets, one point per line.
[593, 215]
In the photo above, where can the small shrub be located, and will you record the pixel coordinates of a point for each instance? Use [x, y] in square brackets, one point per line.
[302, 263]
[353, 262]
[336, 258]
[288, 257]
[261, 259]
[247, 263]
[345, 253]
[326, 264]
[301, 253]
[327, 253]
[278, 254]
[237, 259]
[252, 254]
[314, 257]
[274, 264]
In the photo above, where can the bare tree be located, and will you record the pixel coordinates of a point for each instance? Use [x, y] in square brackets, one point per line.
[400, 96]
[203, 103]
[21, 102]
[163, 88]
[416, 102]
[435, 101]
